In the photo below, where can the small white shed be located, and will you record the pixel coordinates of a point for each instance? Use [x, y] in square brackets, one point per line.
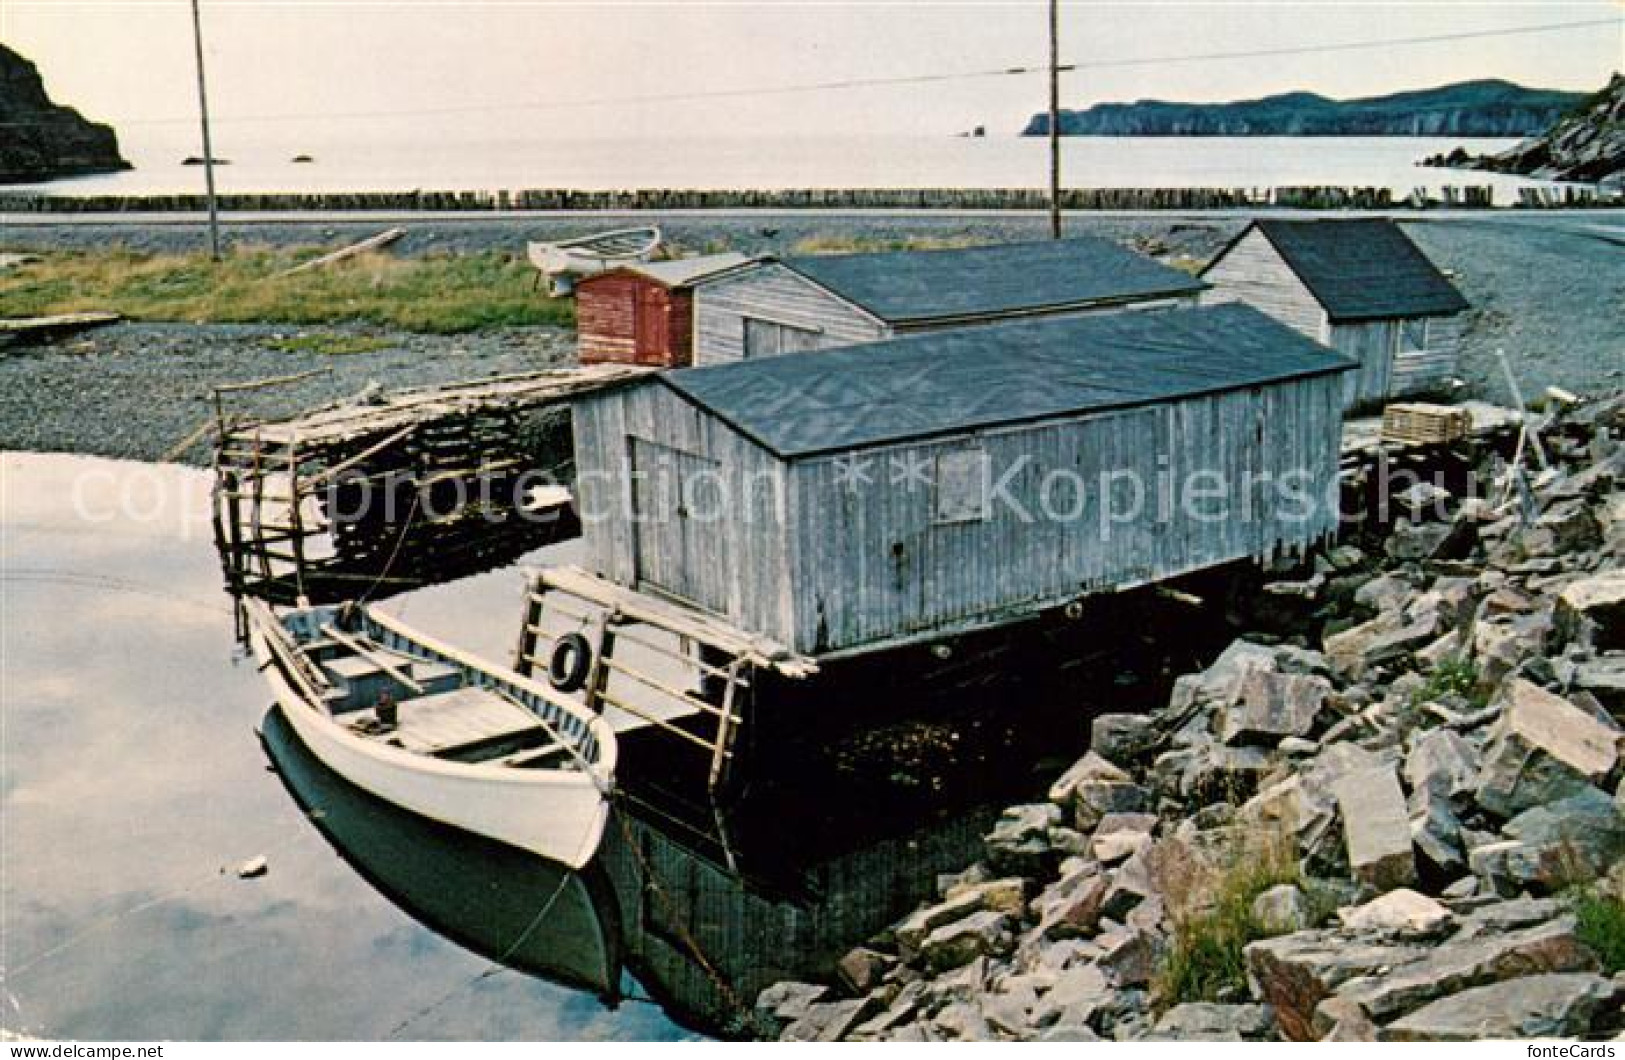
[1359, 286]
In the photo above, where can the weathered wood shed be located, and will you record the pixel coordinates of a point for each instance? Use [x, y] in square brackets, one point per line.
[789, 305]
[854, 499]
[643, 313]
[1359, 286]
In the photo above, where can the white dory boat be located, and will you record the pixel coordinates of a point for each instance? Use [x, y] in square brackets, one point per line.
[562, 262]
[439, 732]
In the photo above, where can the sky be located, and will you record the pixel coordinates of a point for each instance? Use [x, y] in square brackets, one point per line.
[547, 67]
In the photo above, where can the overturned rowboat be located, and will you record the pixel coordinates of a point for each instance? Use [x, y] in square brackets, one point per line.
[562, 262]
[439, 732]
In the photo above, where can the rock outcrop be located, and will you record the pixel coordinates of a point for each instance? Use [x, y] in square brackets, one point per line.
[1586, 145]
[1470, 108]
[41, 140]
[1387, 833]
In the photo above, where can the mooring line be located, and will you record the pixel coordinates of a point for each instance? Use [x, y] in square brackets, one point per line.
[111, 583]
[108, 920]
[495, 967]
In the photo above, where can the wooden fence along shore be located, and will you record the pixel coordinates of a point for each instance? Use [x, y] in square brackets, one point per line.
[1313, 198]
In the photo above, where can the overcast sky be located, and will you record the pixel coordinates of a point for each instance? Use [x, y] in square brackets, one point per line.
[130, 62]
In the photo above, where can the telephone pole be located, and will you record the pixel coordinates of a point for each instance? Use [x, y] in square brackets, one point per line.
[1054, 119]
[208, 147]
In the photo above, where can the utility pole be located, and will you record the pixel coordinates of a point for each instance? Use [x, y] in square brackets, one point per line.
[208, 147]
[1054, 119]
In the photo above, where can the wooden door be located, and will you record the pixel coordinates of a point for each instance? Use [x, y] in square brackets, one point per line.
[680, 524]
[650, 343]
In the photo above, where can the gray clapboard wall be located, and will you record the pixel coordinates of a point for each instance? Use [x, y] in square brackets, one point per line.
[770, 309]
[825, 561]
[1392, 363]
[1253, 271]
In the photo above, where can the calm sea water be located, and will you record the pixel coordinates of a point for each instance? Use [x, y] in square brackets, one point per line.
[390, 158]
[133, 784]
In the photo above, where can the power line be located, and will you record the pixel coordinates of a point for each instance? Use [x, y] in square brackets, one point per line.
[909, 79]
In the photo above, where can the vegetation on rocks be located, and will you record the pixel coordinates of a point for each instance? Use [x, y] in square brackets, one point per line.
[1600, 923]
[1396, 814]
[1205, 959]
[436, 293]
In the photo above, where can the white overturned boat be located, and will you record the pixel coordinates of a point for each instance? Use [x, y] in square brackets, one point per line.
[560, 263]
[439, 732]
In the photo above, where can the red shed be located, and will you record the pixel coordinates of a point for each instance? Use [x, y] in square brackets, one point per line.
[643, 314]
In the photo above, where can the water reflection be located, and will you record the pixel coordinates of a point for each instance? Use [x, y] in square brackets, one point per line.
[655, 916]
[131, 784]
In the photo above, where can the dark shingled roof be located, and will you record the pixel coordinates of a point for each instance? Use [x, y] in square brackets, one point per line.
[919, 285]
[1363, 269]
[960, 379]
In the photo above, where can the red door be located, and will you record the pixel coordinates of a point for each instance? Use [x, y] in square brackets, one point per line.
[649, 331]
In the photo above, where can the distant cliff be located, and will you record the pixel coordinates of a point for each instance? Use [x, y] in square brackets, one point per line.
[1587, 145]
[40, 140]
[1471, 108]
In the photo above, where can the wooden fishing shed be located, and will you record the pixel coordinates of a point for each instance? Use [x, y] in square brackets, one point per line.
[856, 499]
[774, 306]
[643, 313]
[1359, 286]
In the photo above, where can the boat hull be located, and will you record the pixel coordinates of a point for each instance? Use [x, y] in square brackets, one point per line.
[557, 814]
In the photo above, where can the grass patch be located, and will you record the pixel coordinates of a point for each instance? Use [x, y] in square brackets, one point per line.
[1452, 677]
[1600, 924]
[856, 244]
[330, 344]
[437, 293]
[1213, 922]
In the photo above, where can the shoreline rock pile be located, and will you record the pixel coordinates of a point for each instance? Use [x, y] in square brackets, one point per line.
[1378, 829]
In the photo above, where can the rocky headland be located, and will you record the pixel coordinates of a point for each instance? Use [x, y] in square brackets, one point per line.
[1586, 145]
[1470, 108]
[41, 140]
[1405, 822]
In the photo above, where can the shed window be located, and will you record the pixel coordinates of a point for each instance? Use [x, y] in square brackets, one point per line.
[1413, 335]
[962, 486]
[769, 338]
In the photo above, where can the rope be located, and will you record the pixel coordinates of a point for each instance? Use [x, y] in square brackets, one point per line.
[394, 553]
[496, 967]
[108, 920]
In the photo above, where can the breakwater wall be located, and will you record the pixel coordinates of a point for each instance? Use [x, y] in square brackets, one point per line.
[654, 200]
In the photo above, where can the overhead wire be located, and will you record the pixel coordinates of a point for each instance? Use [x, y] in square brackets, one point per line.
[844, 84]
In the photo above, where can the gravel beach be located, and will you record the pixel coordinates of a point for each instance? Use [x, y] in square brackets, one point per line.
[1546, 289]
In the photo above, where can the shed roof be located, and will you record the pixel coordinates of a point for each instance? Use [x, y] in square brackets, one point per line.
[962, 379]
[681, 272]
[1365, 269]
[921, 285]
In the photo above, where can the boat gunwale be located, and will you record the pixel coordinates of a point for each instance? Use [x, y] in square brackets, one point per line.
[600, 773]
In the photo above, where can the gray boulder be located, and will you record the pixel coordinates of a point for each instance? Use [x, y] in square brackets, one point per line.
[1123, 737]
[1542, 749]
[1399, 912]
[1200, 1021]
[1282, 909]
[1561, 1005]
[1264, 707]
[958, 943]
[1456, 966]
[1295, 973]
[1376, 828]
[1442, 760]
[1592, 611]
[912, 930]
[1019, 844]
[1573, 839]
[781, 1004]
